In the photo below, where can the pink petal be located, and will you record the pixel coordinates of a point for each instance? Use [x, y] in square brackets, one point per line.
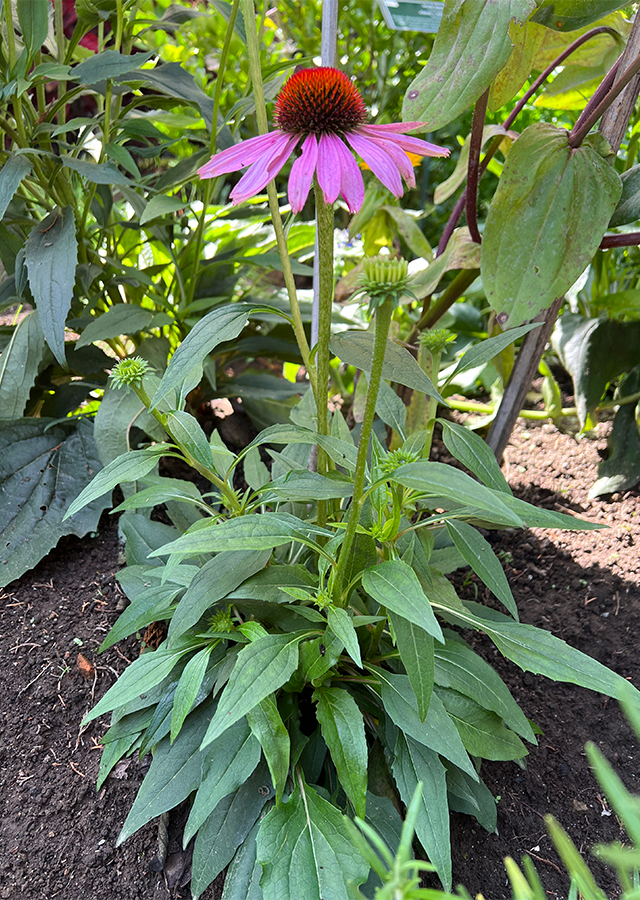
[238, 157]
[398, 127]
[264, 168]
[378, 160]
[302, 173]
[400, 158]
[351, 183]
[329, 166]
[405, 142]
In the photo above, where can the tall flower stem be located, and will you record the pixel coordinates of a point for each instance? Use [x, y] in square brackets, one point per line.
[382, 323]
[248, 11]
[475, 146]
[324, 230]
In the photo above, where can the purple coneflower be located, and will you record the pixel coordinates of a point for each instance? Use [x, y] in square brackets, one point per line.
[322, 110]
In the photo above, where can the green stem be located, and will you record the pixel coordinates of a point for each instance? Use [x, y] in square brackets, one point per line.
[382, 324]
[59, 29]
[431, 365]
[248, 11]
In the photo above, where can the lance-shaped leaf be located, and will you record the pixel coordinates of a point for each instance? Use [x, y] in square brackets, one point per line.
[477, 551]
[482, 732]
[13, 171]
[305, 850]
[569, 15]
[267, 726]
[19, 365]
[51, 253]
[123, 318]
[546, 221]
[415, 647]
[395, 586]
[471, 47]
[42, 467]
[343, 731]
[474, 453]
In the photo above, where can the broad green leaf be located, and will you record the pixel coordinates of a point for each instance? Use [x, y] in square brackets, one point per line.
[305, 850]
[256, 473]
[437, 732]
[355, 348]
[391, 409]
[229, 762]
[594, 352]
[626, 212]
[395, 586]
[457, 666]
[144, 673]
[160, 491]
[341, 624]
[112, 754]
[174, 81]
[123, 318]
[98, 173]
[267, 585]
[471, 47]
[242, 878]
[175, 772]
[478, 553]
[482, 731]
[546, 221]
[257, 532]
[267, 726]
[51, 253]
[471, 797]
[569, 15]
[303, 485]
[469, 449]
[214, 581]
[484, 351]
[187, 432]
[117, 413]
[339, 451]
[187, 690]
[537, 517]
[222, 457]
[161, 205]
[572, 87]
[147, 607]
[42, 467]
[108, 64]
[527, 39]
[413, 763]
[261, 668]
[19, 364]
[142, 536]
[621, 305]
[451, 485]
[226, 829]
[415, 647]
[33, 16]
[343, 731]
[129, 467]
[13, 171]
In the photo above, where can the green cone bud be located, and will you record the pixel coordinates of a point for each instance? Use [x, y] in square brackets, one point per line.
[384, 278]
[129, 372]
[436, 340]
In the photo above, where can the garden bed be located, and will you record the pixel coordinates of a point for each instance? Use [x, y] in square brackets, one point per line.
[59, 835]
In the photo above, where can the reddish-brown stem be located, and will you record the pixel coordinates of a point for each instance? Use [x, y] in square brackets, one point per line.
[473, 175]
[586, 122]
[631, 239]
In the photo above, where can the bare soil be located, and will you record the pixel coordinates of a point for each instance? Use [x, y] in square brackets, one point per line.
[59, 835]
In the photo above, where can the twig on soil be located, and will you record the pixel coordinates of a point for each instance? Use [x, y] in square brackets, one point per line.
[27, 686]
[548, 861]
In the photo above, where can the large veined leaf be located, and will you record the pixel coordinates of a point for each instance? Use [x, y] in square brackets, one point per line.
[108, 64]
[343, 731]
[242, 878]
[19, 365]
[42, 467]
[482, 732]
[13, 171]
[51, 253]
[594, 352]
[413, 763]
[395, 585]
[527, 39]
[266, 724]
[546, 221]
[124, 318]
[628, 208]
[569, 15]
[471, 47]
[305, 850]
[471, 797]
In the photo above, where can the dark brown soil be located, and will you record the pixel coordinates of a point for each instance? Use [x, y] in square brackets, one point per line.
[58, 834]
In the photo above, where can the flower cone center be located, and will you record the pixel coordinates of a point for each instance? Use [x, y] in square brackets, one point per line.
[319, 101]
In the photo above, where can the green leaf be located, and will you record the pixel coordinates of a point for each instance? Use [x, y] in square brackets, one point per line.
[446, 188]
[341, 624]
[391, 409]
[413, 763]
[305, 850]
[257, 532]
[484, 351]
[621, 469]
[33, 16]
[482, 731]
[142, 536]
[537, 517]
[147, 607]
[51, 253]
[343, 731]
[42, 467]
[395, 586]
[460, 253]
[471, 797]
[174, 81]
[527, 39]
[469, 449]
[123, 318]
[453, 487]
[355, 348]
[226, 829]
[415, 647]
[187, 690]
[98, 173]
[144, 673]
[213, 582]
[410, 231]
[256, 473]
[341, 452]
[242, 878]
[594, 352]
[267, 726]
[162, 490]
[626, 212]
[229, 762]
[175, 772]
[17, 167]
[108, 64]
[547, 218]
[302, 485]
[478, 553]
[437, 732]
[188, 433]
[569, 15]
[457, 666]
[471, 47]
[261, 668]
[161, 205]
[268, 584]
[129, 467]
[19, 365]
